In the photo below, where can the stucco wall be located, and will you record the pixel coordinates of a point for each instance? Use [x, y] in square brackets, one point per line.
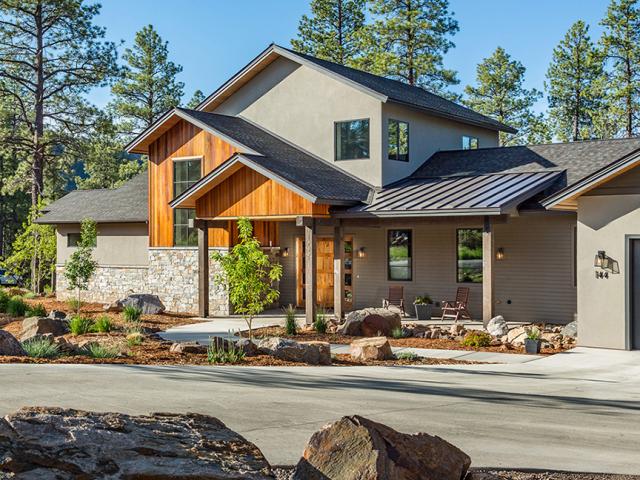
[122, 244]
[603, 223]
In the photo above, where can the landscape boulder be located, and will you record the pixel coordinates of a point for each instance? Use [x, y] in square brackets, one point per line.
[354, 321]
[355, 448]
[57, 315]
[249, 348]
[313, 353]
[33, 327]
[570, 330]
[61, 443]
[516, 336]
[187, 347]
[9, 345]
[149, 304]
[374, 348]
[376, 325]
[497, 326]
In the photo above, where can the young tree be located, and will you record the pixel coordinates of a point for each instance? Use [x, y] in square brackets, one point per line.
[197, 98]
[573, 79]
[148, 86]
[248, 273]
[408, 41]
[81, 266]
[621, 45]
[332, 31]
[51, 54]
[500, 94]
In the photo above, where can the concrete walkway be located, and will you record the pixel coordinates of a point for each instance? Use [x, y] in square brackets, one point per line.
[226, 327]
[577, 411]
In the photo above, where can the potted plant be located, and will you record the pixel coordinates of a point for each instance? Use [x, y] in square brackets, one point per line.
[532, 340]
[424, 307]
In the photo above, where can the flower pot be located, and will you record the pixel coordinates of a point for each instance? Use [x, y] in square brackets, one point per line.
[532, 346]
[423, 310]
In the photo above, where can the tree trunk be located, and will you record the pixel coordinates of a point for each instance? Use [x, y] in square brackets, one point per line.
[340, 33]
[629, 99]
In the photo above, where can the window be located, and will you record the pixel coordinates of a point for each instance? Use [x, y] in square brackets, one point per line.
[185, 173]
[398, 148]
[469, 143]
[399, 255]
[73, 239]
[469, 255]
[352, 139]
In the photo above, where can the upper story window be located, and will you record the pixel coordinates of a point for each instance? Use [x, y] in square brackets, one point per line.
[469, 143]
[186, 172]
[399, 263]
[352, 139]
[398, 139]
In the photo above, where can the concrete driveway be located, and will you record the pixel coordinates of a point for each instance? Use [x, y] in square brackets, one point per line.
[574, 411]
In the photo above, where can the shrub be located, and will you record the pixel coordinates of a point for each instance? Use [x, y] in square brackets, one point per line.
[74, 304]
[29, 295]
[407, 356]
[41, 348]
[397, 332]
[98, 350]
[134, 339]
[80, 325]
[320, 324]
[37, 310]
[219, 354]
[533, 333]
[477, 339]
[290, 320]
[103, 324]
[423, 300]
[16, 307]
[131, 314]
[4, 300]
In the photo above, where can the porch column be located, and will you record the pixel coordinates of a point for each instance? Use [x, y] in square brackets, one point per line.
[310, 274]
[203, 268]
[338, 281]
[487, 270]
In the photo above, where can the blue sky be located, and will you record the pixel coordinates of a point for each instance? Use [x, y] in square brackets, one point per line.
[213, 39]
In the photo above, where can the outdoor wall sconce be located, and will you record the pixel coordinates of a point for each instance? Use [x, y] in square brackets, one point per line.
[500, 254]
[362, 252]
[605, 264]
[284, 252]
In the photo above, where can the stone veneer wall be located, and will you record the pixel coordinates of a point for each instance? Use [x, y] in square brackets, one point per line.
[172, 274]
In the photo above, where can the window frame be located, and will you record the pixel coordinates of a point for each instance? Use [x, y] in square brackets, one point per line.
[388, 257]
[335, 139]
[471, 137]
[175, 161]
[398, 122]
[458, 281]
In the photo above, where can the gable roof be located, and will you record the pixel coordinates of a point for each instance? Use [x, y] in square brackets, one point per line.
[385, 89]
[285, 163]
[126, 204]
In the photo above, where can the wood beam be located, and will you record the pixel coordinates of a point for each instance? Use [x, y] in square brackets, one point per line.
[487, 270]
[338, 266]
[310, 272]
[203, 271]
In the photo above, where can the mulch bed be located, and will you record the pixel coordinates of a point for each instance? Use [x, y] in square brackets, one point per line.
[414, 342]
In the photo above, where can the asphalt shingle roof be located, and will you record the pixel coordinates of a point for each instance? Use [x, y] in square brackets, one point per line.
[309, 173]
[401, 92]
[125, 204]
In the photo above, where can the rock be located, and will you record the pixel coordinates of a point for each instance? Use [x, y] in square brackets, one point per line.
[37, 326]
[497, 326]
[375, 325]
[313, 353]
[149, 304]
[516, 335]
[57, 315]
[457, 329]
[357, 448]
[481, 476]
[495, 343]
[9, 345]
[249, 348]
[188, 347]
[63, 443]
[353, 323]
[222, 343]
[374, 348]
[570, 330]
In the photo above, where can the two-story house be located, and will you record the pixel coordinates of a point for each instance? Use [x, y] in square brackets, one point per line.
[354, 183]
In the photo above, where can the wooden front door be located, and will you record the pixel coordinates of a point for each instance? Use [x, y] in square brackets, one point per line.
[324, 271]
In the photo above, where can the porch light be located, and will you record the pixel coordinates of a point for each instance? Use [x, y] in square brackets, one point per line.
[601, 260]
[606, 265]
[362, 252]
[284, 252]
[500, 254]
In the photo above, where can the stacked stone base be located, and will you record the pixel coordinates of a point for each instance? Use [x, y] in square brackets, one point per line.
[172, 274]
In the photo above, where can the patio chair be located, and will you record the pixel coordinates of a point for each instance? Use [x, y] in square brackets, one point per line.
[395, 298]
[457, 309]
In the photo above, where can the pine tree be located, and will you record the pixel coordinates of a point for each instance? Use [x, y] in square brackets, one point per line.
[197, 98]
[500, 94]
[332, 31]
[574, 81]
[148, 87]
[408, 41]
[621, 45]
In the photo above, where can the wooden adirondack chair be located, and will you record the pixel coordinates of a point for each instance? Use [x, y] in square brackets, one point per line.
[395, 298]
[457, 309]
